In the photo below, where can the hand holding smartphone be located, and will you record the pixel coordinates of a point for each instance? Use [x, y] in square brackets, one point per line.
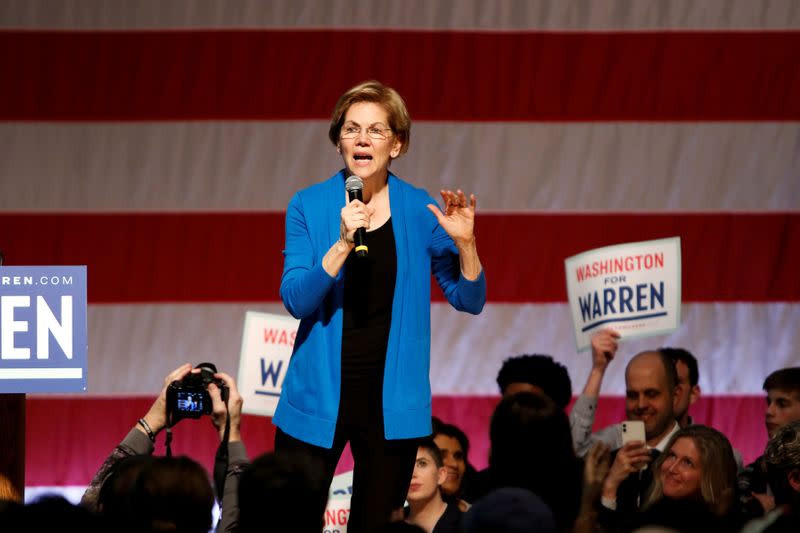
[633, 430]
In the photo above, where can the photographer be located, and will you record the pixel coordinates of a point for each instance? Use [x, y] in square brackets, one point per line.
[118, 474]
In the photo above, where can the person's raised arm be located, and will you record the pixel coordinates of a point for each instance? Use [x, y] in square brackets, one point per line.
[581, 417]
[596, 465]
[631, 458]
[458, 221]
[139, 441]
[237, 454]
[604, 348]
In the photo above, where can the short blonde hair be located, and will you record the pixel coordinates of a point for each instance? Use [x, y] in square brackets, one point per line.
[717, 463]
[378, 93]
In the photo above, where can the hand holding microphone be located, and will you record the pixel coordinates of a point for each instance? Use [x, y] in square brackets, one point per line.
[356, 216]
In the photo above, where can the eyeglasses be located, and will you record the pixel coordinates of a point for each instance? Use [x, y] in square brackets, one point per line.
[350, 131]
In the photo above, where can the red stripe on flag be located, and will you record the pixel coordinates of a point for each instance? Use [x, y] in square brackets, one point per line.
[725, 257]
[65, 444]
[227, 257]
[172, 75]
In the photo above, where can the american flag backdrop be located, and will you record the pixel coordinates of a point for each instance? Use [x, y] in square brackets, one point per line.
[159, 144]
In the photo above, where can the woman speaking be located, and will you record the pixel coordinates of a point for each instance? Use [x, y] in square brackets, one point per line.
[359, 371]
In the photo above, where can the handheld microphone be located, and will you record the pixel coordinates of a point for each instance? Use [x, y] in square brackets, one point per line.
[354, 185]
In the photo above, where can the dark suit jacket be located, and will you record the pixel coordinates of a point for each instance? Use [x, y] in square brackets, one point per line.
[631, 496]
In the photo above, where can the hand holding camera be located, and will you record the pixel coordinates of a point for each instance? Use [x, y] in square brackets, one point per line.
[220, 412]
[188, 396]
[191, 393]
[156, 417]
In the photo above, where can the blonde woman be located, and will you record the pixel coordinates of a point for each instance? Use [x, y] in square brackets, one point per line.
[697, 464]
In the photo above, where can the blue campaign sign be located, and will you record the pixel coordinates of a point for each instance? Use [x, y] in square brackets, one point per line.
[43, 341]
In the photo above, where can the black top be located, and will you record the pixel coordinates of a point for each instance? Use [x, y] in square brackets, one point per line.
[450, 521]
[560, 491]
[367, 315]
[631, 495]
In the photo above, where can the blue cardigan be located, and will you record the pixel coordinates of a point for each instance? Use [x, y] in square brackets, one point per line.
[309, 403]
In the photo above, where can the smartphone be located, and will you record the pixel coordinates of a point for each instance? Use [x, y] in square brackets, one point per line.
[633, 430]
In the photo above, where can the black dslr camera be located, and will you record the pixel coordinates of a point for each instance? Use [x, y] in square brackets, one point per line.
[189, 398]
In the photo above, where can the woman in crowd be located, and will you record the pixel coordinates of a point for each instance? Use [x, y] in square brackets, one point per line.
[698, 464]
[454, 446]
[359, 371]
[427, 508]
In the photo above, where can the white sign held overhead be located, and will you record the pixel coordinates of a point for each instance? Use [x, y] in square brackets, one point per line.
[634, 288]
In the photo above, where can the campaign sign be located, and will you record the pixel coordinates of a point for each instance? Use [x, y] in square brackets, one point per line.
[633, 288]
[337, 514]
[267, 344]
[43, 329]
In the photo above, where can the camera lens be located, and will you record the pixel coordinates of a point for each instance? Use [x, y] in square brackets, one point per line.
[207, 371]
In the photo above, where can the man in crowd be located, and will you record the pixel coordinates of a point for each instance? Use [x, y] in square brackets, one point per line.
[783, 407]
[651, 395]
[783, 398]
[581, 418]
[604, 348]
[688, 377]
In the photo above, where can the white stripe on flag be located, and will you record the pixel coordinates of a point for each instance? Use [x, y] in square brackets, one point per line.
[134, 346]
[258, 166]
[498, 15]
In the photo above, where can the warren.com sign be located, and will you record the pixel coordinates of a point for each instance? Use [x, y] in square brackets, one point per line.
[43, 329]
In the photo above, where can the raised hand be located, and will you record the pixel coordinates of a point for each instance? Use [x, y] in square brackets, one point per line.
[596, 466]
[604, 348]
[156, 417]
[631, 458]
[458, 218]
[219, 411]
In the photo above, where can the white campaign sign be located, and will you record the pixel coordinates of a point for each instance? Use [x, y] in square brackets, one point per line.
[267, 344]
[337, 514]
[634, 288]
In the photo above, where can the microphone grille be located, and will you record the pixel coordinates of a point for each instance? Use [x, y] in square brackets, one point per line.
[353, 183]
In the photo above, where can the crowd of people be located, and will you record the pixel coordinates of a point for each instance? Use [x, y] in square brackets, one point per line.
[546, 471]
[361, 247]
